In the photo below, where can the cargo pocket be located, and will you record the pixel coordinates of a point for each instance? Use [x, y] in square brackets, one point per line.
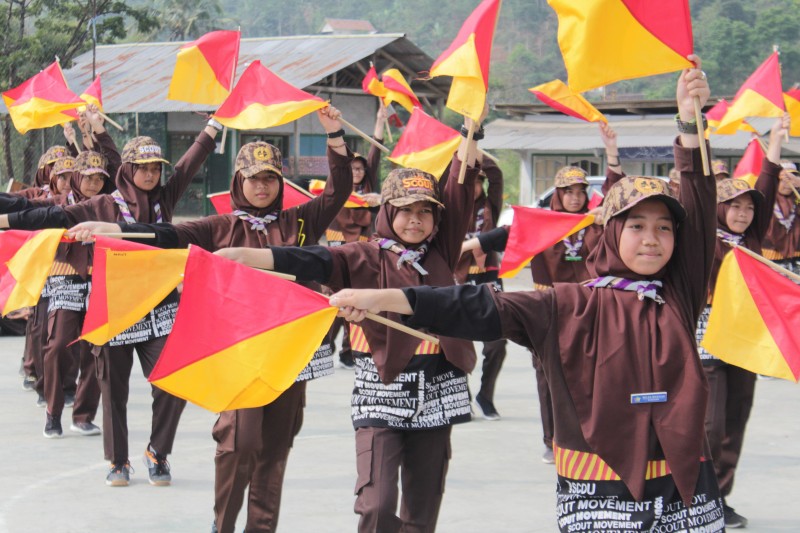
[364, 437]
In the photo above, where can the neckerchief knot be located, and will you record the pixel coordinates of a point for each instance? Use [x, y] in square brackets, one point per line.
[734, 239]
[256, 223]
[643, 288]
[786, 222]
[412, 257]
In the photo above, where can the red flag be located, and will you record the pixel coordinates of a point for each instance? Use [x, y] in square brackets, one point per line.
[557, 95]
[761, 95]
[241, 337]
[749, 166]
[293, 195]
[792, 100]
[535, 230]
[372, 85]
[205, 68]
[92, 95]
[467, 61]
[355, 200]
[261, 100]
[426, 144]
[40, 101]
[398, 90]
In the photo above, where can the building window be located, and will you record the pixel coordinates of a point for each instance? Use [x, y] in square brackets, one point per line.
[192, 203]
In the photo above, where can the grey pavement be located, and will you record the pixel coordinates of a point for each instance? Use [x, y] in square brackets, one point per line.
[497, 481]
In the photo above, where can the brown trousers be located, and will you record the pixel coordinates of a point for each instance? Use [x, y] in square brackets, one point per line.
[421, 458]
[35, 332]
[60, 362]
[114, 364]
[731, 390]
[494, 353]
[253, 449]
[545, 403]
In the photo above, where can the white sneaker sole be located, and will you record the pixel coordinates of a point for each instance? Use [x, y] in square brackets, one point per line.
[52, 436]
[85, 433]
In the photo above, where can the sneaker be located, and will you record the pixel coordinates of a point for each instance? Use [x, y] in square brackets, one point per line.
[157, 467]
[119, 475]
[69, 400]
[548, 457]
[487, 408]
[733, 520]
[40, 401]
[28, 383]
[86, 429]
[52, 428]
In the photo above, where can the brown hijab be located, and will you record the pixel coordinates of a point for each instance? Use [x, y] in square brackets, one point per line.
[141, 202]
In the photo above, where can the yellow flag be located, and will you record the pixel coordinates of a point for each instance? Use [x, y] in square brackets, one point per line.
[30, 267]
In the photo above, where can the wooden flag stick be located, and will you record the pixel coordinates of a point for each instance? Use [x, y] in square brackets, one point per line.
[129, 235]
[489, 156]
[222, 142]
[788, 273]
[400, 327]
[463, 153]
[388, 132]
[76, 145]
[108, 119]
[698, 116]
[289, 277]
[364, 136]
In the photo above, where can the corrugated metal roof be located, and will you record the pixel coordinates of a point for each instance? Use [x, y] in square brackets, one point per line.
[566, 135]
[135, 77]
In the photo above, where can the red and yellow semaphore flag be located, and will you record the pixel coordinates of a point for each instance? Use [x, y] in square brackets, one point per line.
[26, 258]
[560, 97]
[372, 85]
[792, 100]
[92, 95]
[715, 116]
[119, 267]
[755, 318]
[605, 41]
[355, 200]
[262, 99]
[426, 144]
[761, 95]
[40, 101]
[292, 196]
[205, 68]
[467, 61]
[749, 166]
[241, 337]
[398, 90]
[535, 230]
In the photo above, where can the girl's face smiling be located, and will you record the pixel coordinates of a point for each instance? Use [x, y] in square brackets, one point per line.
[648, 238]
[414, 223]
[740, 213]
[574, 197]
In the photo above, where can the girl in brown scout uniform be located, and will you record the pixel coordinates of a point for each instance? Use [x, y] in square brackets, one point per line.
[139, 197]
[782, 241]
[41, 181]
[253, 444]
[407, 394]
[619, 352]
[355, 224]
[743, 217]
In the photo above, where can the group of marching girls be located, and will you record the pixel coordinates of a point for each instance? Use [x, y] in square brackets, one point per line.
[640, 420]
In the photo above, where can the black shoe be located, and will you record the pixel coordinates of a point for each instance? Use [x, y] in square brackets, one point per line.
[157, 467]
[119, 475]
[69, 399]
[733, 520]
[52, 428]
[28, 382]
[40, 401]
[487, 407]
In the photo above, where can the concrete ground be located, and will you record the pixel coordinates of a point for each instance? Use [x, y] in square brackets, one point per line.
[497, 481]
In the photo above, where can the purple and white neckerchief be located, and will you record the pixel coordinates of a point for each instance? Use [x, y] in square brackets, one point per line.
[786, 222]
[413, 257]
[479, 219]
[256, 223]
[734, 239]
[574, 249]
[125, 211]
[71, 198]
[644, 288]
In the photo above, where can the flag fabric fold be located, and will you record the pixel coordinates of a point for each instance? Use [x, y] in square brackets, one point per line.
[791, 99]
[467, 61]
[398, 90]
[426, 144]
[533, 231]
[205, 68]
[92, 95]
[372, 85]
[241, 337]
[761, 95]
[293, 195]
[355, 200]
[25, 272]
[41, 101]
[715, 116]
[755, 319]
[128, 281]
[560, 97]
[605, 41]
[749, 166]
[261, 100]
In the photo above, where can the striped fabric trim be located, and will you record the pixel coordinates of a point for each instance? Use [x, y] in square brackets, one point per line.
[541, 287]
[587, 466]
[774, 255]
[333, 235]
[475, 269]
[60, 268]
[358, 343]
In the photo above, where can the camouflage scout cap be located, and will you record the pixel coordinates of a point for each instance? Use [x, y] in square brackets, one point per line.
[140, 150]
[65, 164]
[53, 154]
[88, 163]
[404, 186]
[730, 188]
[631, 190]
[571, 176]
[719, 166]
[789, 166]
[257, 156]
